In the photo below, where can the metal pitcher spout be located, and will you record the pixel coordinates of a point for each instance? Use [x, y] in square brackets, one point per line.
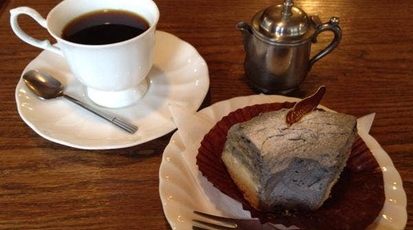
[246, 31]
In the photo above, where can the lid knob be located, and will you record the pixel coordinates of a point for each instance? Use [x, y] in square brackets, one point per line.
[288, 4]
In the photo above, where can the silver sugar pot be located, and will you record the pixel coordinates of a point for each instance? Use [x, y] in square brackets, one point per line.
[278, 46]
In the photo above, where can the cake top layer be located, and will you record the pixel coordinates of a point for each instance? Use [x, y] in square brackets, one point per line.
[318, 135]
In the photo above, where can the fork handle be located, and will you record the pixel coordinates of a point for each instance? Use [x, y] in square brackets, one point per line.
[121, 123]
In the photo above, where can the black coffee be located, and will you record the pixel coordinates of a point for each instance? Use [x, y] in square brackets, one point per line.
[104, 27]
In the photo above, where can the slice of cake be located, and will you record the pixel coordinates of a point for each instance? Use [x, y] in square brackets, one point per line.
[289, 166]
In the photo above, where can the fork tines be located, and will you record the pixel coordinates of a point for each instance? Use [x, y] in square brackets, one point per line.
[221, 224]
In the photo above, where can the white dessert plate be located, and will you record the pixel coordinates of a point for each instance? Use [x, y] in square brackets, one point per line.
[179, 76]
[183, 190]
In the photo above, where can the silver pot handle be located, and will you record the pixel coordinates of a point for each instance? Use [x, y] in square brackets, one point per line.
[332, 25]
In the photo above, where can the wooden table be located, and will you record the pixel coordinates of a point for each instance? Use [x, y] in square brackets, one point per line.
[44, 185]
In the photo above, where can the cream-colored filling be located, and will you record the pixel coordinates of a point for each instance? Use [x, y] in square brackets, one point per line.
[242, 177]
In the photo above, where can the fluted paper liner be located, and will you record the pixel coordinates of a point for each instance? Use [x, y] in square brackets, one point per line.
[355, 201]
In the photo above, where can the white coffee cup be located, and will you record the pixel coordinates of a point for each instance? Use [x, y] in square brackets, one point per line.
[114, 74]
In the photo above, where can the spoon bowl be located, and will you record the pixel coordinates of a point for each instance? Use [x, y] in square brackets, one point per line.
[47, 87]
[43, 84]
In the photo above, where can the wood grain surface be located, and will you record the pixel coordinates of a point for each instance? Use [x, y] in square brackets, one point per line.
[44, 185]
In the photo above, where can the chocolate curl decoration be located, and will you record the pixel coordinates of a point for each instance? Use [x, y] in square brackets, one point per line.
[305, 106]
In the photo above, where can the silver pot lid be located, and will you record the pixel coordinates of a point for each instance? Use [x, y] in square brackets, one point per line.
[283, 23]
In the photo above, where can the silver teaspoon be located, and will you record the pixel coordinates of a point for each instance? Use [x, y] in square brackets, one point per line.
[46, 87]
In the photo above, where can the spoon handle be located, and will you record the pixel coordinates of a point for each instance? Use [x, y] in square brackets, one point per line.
[121, 123]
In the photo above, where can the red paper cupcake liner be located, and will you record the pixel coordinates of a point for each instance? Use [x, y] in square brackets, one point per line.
[355, 201]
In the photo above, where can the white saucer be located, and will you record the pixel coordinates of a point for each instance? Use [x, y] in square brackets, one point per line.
[179, 76]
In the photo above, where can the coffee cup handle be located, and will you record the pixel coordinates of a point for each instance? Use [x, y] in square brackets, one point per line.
[332, 25]
[45, 44]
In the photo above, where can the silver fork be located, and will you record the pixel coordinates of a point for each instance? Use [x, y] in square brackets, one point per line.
[223, 223]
